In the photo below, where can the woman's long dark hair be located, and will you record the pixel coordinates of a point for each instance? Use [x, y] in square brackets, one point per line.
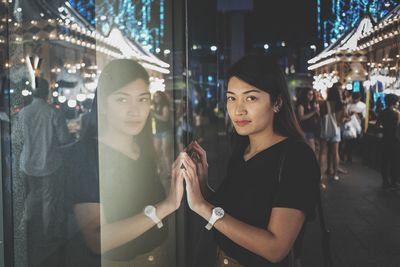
[117, 74]
[333, 95]
[303, 97]
[264, 73]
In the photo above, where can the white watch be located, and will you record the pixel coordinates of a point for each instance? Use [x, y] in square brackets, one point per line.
[150, 211]
[217, 213]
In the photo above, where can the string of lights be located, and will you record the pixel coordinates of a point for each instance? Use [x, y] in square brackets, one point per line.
[344, 15]
[140, 20]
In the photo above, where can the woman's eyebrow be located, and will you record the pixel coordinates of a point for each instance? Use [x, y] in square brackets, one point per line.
[251, 91]
[126, 94]
[246, 92]
[145, 94]
[121, 93]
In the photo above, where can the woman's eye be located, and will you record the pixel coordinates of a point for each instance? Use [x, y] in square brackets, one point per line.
[251, 98]
[144, 99]
[122, 100]
[230, 98]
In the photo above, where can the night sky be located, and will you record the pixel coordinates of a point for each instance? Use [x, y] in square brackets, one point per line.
[293, 21]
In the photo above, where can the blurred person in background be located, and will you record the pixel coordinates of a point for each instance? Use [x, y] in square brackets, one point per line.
[200, 114]
[329, 148]
[43, 130]
[389, 120]
[308, 114]
[163, 133]
[185, 132]
[355, 112]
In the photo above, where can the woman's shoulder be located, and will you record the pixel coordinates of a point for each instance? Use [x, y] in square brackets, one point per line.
[300, 149]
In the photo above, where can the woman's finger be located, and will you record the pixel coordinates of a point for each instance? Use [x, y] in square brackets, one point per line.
[202, 154]
[200, 149]
[189, 161]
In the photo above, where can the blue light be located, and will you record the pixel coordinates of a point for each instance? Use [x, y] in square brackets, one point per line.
[210, 78]
[356, 86]
[346, 13]
[134, 18]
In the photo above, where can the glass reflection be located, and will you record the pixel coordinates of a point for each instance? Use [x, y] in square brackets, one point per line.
[114, 176]
[83, 155]
[42, 130]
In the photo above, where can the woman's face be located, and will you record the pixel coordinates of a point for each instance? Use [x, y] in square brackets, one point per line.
[310, 95]
[127, 108]
[250, 109]
[157, 98]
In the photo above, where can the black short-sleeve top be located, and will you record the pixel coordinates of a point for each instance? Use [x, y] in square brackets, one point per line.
[126, 186]
[252, 189]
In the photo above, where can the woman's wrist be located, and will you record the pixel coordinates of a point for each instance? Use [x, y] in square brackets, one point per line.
[165, 208]
[204, 209]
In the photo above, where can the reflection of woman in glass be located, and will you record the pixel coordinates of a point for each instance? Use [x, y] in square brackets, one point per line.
[114, 177]
[272, 178]
[163, 137]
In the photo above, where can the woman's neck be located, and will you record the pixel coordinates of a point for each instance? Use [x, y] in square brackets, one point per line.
[121, 142]
[262, 141]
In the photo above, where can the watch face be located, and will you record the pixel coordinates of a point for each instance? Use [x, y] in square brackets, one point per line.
[149, 210]
[219, 212]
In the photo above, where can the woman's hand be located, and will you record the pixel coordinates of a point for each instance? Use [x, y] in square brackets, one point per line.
[194, 196]
[316, 108]
[200, 159]
[176, 190]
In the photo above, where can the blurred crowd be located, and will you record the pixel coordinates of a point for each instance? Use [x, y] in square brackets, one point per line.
[335, 127]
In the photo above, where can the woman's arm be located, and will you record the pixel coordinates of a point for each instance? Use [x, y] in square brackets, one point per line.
[300, 112]
[272, 243]
[340, 116]
[94, 226]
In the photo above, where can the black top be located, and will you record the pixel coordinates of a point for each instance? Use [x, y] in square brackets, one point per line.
[388, 119]
[252, 189]
[125, 188]
[309, 125]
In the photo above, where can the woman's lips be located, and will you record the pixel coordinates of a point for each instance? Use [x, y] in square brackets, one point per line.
[242, 123]
[133, 123]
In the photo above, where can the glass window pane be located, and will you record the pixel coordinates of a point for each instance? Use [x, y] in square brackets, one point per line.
[90, 96]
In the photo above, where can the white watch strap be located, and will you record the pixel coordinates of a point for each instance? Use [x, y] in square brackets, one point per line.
[158, 222]
[211, 222]
[151, 214]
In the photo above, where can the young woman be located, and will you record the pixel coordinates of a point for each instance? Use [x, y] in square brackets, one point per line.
[308, 114]
[117, 198]
[329, 145]
[272, 179]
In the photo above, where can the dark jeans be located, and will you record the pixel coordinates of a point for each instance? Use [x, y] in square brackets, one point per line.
[390, 162]
[45, 219]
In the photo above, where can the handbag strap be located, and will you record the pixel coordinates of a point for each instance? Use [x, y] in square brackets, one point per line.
[328, 107]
